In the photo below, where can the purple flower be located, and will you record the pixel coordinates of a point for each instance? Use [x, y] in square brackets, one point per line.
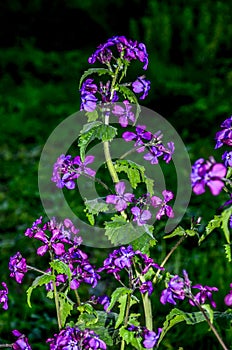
[88, 102]
[146, 287]
[227, 157]
[21, 343]
[82, 168]
[120, 199]
[225, 135]
[153, 155]
[139, 135]
[204, 294]
[162, 204]
[151, 338]
[4, 296]
[228, 298]
[105, 301]
[72, 338]
[141, 216]
[63, 172]
[106, 94]
[17, 267]
[88, 87]
[207, 173]
[124, 113]
[175, 290]
[141, 85]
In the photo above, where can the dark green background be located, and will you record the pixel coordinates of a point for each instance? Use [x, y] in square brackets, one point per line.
[44, 50]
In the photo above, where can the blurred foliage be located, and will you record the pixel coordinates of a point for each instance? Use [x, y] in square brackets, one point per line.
[44, 51]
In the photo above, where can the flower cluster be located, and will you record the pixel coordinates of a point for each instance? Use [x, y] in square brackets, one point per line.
[180, 288]
[224, 136]
[208, 173]
[74, 338]
[4, 296]
[67, 169]
[122, 200]
[145, 140]
[228, 297]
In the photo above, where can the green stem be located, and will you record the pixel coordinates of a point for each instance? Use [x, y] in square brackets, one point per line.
[168, 256]
[210, 324]
[126, 318]
[6, 345]
[56, 303]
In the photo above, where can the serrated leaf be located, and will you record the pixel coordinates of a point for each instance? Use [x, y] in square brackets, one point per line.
[135, 173]
[104, 326]
[228, 252]
[179, 231]
[212, 224]
[176, 316]
[117, 293]
[144, 243]
[92, 116]
[90, 71]
[94, 207]
[119, 230]
[66, 306]
[92, 131]
[38, 281]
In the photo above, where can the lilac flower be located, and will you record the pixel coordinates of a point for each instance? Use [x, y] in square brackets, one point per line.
[204, 294]
[124, 113]
[162, 204]
[82, 168]
[141, 85]
[63, 172]
[17, 267]
[175, 290]
[228, 298]
[88, 102]
[106, 94]
[4, 296]
[139, 135]
[147, 263]
[151, 338]
[146, 287]
[141, 216]
[120, 199]
[88, 87]
[153, 155]
[72, 338]
[21, 343]
[207, 173]
[225, 135]
[227, 157]
[105, 301]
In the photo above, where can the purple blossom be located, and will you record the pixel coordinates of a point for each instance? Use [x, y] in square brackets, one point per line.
[141, 85]
[228, 297]
[151, 338]
[88, 102]
[227, 157]
[106, 93]
[158, 149]
[120, 199]
[105, 301]
[139, 136]
[146, 287]
[141, 216]
[63, 172]
[4, 296]
[175, 290]
[204, 294]
[124, 113]
[225, 135]
[72, 338]
[164, 209]
[18, 267]
[82, 168]
[21, 343]
[153, 155]
[207, 173]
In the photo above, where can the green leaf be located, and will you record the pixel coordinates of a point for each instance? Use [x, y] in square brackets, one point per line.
[191, 318]
[61, 268]
[135, 173]
[92, 116]
[103, 324]
[144, 243]
[66, 306]
[90, 71]
[119, 230]
[228, 252]
[179, 231]
[94, 207]
[38, 281]
[212, 224]
[95, 130]
[117, 293]
[130, 338]
[225, 217]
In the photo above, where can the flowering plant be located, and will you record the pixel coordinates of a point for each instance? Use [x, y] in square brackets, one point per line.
[127, 211]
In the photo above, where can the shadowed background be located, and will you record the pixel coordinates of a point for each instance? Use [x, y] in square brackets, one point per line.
[44, 47]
